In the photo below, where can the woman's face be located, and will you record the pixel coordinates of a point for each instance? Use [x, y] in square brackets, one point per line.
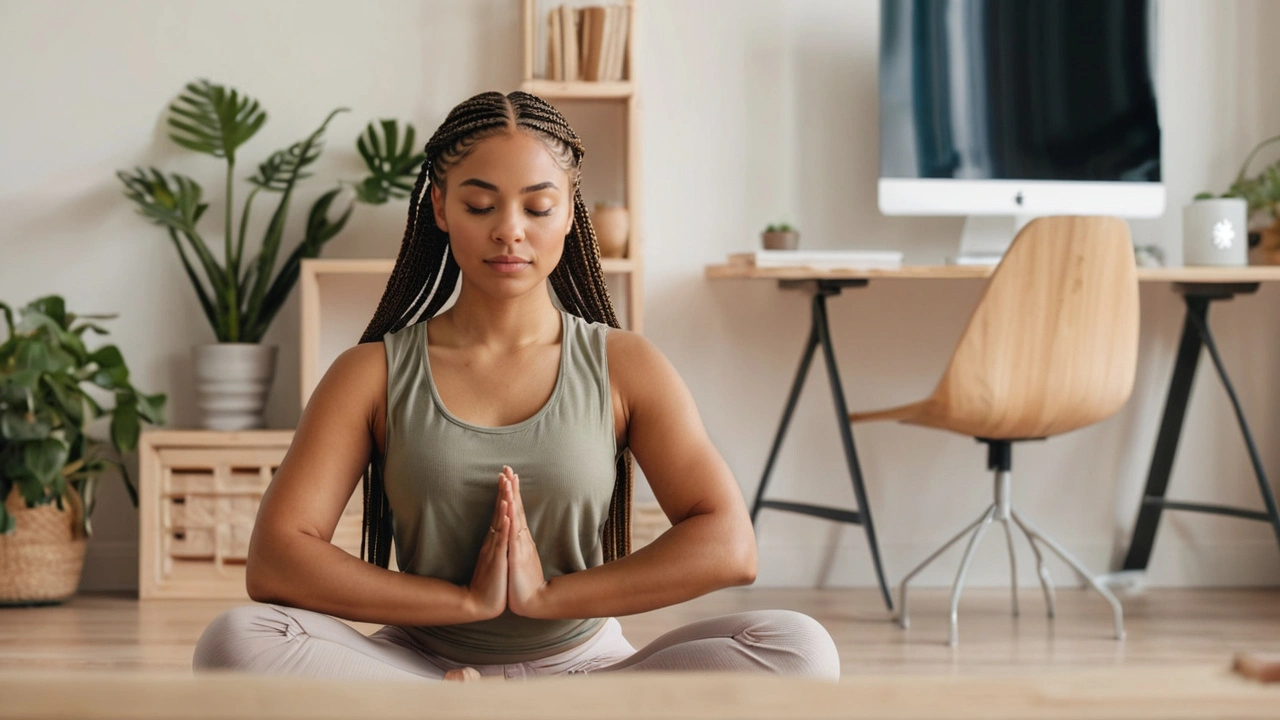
[507, 207]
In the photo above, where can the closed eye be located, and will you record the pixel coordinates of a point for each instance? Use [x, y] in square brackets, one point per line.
[485, 210]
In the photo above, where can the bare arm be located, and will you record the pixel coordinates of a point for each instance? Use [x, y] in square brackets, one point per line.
[710, 545]
[291, 559]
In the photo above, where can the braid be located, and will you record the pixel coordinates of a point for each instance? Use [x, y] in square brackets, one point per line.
[425, 276]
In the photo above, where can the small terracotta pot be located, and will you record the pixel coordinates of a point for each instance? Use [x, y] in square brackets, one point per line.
[780, 240]
[612, 225]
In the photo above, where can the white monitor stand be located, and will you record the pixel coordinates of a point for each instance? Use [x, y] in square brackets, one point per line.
[986, 237]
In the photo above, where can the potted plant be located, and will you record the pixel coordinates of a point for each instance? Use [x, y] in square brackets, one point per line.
[1261, 194]
[50, 382]
[780, 236]
[240, 294]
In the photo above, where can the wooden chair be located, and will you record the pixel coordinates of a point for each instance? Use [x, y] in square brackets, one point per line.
[1051, 347]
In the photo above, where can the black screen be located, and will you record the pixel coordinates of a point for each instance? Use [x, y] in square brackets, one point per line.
[1018, 89]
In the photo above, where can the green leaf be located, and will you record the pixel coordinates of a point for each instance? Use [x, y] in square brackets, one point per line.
[8, 320]
[212, 119]
[210, 313]
[285, 165]
[21, 427]
[152, 408]
[393, 164]
[111, 371]
[108, 357]
[16, 385]
[319, 231]
[275, 230]
[52, 307]
[44, 460]
[172, 201]
[125, 427]
[129, 485]
[66, 394]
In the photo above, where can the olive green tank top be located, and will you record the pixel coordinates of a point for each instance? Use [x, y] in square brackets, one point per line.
[441, 476]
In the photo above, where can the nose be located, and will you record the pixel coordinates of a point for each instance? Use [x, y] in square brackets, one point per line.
[509, 227]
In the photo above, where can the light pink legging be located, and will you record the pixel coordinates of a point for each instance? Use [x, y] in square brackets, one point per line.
[282, 640]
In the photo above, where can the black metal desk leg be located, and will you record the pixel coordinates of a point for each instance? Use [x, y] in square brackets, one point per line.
[1268, 498]
[846, 434]
[810, 345]
[1175, 409]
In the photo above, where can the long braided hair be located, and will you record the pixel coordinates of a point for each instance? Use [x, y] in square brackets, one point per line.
[426, 274]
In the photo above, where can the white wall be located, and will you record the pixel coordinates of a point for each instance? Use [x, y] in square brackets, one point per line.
[753, 111]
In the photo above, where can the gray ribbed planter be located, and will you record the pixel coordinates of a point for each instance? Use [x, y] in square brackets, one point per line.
[232, 384]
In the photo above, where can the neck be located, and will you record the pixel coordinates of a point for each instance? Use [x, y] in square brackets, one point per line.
[477, 319]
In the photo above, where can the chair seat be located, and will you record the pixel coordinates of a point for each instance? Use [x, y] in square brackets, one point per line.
[929, 413]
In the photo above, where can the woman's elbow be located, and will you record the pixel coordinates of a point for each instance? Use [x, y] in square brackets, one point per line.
[257, 582]
[262, 577]
[743, 558]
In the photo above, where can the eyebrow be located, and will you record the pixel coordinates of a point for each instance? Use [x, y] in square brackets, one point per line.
[476, 182]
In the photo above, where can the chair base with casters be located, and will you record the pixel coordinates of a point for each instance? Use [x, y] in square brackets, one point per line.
[999, 460]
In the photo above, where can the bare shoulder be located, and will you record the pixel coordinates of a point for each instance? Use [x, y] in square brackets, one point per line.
[634, 361]
[357, 369]
[357, 379]
[365, 357]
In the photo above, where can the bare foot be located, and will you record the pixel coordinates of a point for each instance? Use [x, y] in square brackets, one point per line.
[465, 674]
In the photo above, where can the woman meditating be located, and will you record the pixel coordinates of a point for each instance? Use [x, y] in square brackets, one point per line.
[495, 442]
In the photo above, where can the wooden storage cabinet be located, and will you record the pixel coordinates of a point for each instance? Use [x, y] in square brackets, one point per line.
[198, 496]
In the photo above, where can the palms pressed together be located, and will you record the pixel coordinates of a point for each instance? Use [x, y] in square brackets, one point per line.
[508, 571]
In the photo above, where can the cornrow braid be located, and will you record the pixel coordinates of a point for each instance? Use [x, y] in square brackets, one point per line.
[426, 274]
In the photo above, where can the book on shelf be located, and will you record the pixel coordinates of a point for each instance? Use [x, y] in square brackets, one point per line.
[555, 62]
[822, 259]
[587, 43]
[569, 28]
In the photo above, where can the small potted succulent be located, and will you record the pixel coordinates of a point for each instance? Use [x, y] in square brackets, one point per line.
[780, 236]
[51, 390]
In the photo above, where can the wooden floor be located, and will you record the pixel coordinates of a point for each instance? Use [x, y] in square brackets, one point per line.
[111, 657]
[1165, 628]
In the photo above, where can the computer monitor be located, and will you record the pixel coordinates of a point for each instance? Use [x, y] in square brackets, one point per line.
[1004, 110]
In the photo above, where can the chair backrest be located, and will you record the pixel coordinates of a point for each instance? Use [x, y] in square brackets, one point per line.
[1053, 343]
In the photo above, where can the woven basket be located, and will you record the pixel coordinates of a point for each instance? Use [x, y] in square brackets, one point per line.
[40, 561]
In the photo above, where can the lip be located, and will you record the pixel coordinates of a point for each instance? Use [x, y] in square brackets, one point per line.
[507, 263]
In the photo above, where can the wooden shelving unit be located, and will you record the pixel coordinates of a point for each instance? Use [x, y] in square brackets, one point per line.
[581, 99]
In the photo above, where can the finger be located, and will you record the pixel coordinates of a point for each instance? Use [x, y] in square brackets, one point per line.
[518, 499]
[501, 532]
[502, 549]
[502, 483]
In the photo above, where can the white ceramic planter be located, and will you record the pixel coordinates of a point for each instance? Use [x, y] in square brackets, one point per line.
[1214, 232]
[232, 384]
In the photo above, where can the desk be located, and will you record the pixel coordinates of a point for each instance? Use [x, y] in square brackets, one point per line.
[1198, 286]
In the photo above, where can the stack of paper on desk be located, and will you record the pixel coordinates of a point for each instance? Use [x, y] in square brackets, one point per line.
[823, 259]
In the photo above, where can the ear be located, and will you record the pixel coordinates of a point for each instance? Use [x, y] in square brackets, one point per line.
[437, 206]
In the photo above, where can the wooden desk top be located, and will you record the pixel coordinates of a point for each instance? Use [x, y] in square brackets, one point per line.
[747, 271]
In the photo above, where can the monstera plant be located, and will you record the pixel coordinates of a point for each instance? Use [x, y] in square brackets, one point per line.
[240, 292]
